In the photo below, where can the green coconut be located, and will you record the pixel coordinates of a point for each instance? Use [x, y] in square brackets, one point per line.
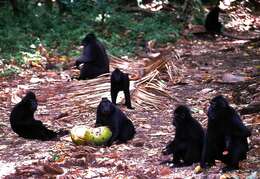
[98, 135]
[77, 134]
[81, 135]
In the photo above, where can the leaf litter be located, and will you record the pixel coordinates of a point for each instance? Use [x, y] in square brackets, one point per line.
[179, 74]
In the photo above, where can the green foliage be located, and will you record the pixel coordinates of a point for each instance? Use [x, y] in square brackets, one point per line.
[130, 31]
[198, 12]
[9, 71]
[122, 32]
[167, 29]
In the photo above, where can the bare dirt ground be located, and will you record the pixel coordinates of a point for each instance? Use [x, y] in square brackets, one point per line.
[206, 62]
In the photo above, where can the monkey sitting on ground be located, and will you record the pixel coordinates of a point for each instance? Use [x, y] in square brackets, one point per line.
[120, 82]
[225, 131]
[188, 141]
[121, 127]
[94, 58]
[214, 26]
[23, 122]
[212, 23]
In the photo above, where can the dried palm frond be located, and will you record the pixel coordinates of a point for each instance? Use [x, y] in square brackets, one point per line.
[147, 92]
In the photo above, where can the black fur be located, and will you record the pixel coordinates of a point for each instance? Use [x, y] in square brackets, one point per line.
[212, 23]
[109, 115]
[23, 122]
[120, 82]
[94, 58]
[188, 142]
[225, 131]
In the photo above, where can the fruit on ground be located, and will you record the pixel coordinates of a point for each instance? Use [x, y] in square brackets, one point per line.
[81, 135]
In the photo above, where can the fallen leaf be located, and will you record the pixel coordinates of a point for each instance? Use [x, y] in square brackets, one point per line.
[53, 169]
[165, 171]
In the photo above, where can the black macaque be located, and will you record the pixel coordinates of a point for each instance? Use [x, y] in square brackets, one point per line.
[214, 26]
[212, 23]
[109, 115]
[120, 82]
[23, 122]
[188, 142]
[225, 131]
[94, 58]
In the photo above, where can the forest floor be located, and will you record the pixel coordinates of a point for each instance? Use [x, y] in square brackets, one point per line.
[216, 66]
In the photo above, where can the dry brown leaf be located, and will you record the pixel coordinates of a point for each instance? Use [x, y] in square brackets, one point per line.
[165, 171]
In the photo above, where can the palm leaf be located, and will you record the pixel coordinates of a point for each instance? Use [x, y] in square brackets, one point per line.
[146, 92]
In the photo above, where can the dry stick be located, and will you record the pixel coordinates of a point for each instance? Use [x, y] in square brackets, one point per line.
[150, 99]
[156, 72]
[153, 74]
[253, 124]
[163, 92]
[204, 122]
[169, 72]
